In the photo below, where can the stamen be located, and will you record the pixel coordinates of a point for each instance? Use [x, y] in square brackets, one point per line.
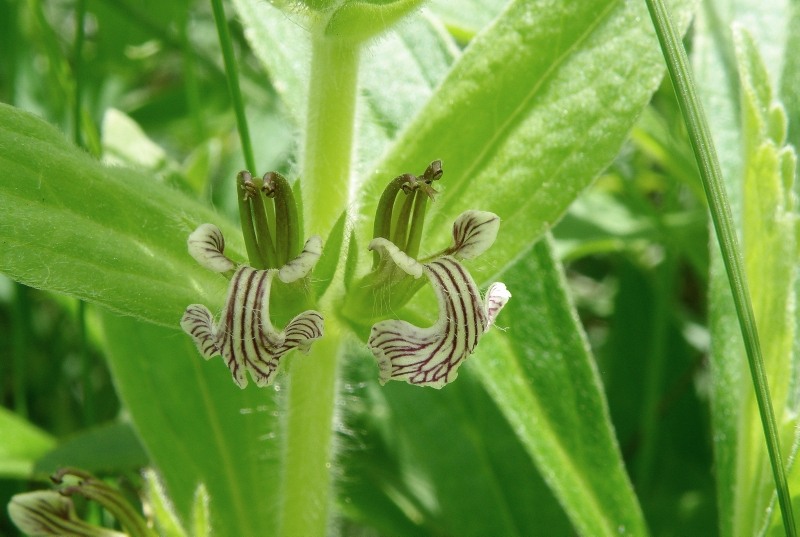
[287, 234]
[244, 182]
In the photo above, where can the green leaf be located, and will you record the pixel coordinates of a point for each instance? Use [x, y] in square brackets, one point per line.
[770, 246]
[162, 514]
[22, 444]
[201, 522]
[743, 113]
[112, 447]
[108, 235]
[465, 18]
[198, 427]
[403, 476]
[542, 376]
[329, 260]
[533, 110]
[396, 76]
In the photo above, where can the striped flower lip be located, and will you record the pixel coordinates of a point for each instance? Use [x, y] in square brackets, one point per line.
[431, 356]
[47, 512]
[244, 335]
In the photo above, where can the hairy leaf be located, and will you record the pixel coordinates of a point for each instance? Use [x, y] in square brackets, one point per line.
[108, 235]
[198, 427]
[541, 374]
[535, 108]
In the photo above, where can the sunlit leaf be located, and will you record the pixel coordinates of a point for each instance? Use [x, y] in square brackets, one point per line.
[107, 235]
[542, 376]
[534, 109]
[197, 427]
[22, 444]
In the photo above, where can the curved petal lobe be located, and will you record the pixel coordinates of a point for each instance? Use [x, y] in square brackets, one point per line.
[245, 337]
[206, 245]
[301, 265]
[473, 233]
[431, 356]
[387, 248]
[496, 297]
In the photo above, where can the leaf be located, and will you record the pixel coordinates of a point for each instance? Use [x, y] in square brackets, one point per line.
[22, 444]
[762, 205]
[162, 513]
[108, 235]
[198, 427]
[397, 74]
[464, 18]
[424, 462]
[329, 260]
[770, 249]
[542, 376]
[535, 108]
[112, 447]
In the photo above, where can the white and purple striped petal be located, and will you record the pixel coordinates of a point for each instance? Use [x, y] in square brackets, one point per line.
[473, 233]
[300, 266]
[387, 248]
[244, 336]
[431, 356]
[206, 245]
[496, 297]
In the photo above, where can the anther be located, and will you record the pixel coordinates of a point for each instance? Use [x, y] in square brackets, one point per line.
[246, 183]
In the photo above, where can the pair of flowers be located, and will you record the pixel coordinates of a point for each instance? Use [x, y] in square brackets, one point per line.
[248, 341]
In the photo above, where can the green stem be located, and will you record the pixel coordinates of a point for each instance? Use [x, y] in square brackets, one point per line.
[308, 437]
[77, 134]
[80, 35]
[329, 135]
[702, 144]
[21, 351]
[232, 74]
[308, 444]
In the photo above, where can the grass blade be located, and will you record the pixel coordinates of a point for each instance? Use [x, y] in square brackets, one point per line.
[708, 163]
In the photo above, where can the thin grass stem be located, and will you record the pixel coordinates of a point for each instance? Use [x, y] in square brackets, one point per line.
[711, 175]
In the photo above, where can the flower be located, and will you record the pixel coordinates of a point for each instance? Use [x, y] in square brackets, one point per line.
[244, 335]
[47, 512]
[51, 512]
[431, 356]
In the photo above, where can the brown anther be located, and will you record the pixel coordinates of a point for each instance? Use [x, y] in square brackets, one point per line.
[268, 188]
[411, 183]
[247, 185]
[433, 172]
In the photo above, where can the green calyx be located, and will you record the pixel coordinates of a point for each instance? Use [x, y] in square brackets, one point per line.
[268, 206]
[399, 218]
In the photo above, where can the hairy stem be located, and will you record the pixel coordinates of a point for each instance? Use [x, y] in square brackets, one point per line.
[308, 436]
[329, 133]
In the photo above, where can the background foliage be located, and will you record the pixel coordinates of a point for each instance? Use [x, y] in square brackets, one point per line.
[614, 402]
